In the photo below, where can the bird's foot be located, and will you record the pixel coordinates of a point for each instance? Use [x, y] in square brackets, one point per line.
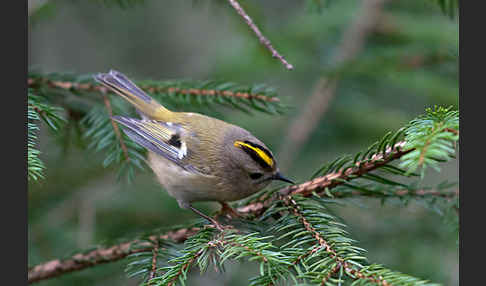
[227, 211]
[213, 221]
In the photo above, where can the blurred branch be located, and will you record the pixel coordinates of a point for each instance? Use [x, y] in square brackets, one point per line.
[81, 261]
[92, 87]
[87, 221]
[401, 193]
[302, 126]
[259, 34]
[316, 106]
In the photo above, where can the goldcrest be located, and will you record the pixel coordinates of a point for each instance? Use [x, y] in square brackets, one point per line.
[195, 157]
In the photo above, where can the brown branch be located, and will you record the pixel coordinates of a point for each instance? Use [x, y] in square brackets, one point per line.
[259, 34]
[57, 267]
[330, 180]
[185, 266]
[423, 193]
[456, 132]
[210, 92]
[155, 253]
[310, 252]
[333, 270]
[81, 261]
[359, 275]
[89, 87]
[336, 178]
[290, 202]
[115, 127]
[398, 193]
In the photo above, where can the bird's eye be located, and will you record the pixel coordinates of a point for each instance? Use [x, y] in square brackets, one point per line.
[255, 176]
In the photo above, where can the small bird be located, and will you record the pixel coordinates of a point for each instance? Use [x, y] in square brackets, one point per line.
[194, 157]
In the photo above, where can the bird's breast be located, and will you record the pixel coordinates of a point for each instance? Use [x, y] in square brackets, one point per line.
[189, 186]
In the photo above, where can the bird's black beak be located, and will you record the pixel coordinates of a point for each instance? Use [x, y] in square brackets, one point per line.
[279, 177]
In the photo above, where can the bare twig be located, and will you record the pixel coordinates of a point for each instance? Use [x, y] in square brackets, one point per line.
[259, 34]
[81, 261]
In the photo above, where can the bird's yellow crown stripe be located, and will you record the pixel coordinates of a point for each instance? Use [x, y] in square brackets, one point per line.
[259, 151]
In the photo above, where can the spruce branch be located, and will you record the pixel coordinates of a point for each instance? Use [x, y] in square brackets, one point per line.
[274, 265]
[115, 127]
[197, 249]
[337, 178]
[258, 97]
[155, 252]
[169, 87]
[119, 149]
[37, 109]
[35, 166]
[263, 40]
[211, 92]
[432, 136]
[417, 133]
[331, 180]
[331, 250]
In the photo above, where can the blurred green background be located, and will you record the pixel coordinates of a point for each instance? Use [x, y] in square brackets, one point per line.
[409, 62]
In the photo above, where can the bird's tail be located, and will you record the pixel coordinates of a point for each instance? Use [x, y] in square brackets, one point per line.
[121, 85]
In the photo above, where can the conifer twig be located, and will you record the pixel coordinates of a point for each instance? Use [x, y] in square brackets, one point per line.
[330, 180]
[155, 252]
[324, 244]
[115, 127]
[259, 34]
[91, 87]
[333, 270]
[336, 178]
[188, 264]
[210, 92]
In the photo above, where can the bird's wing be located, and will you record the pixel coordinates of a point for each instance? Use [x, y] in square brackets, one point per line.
[163, 138]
